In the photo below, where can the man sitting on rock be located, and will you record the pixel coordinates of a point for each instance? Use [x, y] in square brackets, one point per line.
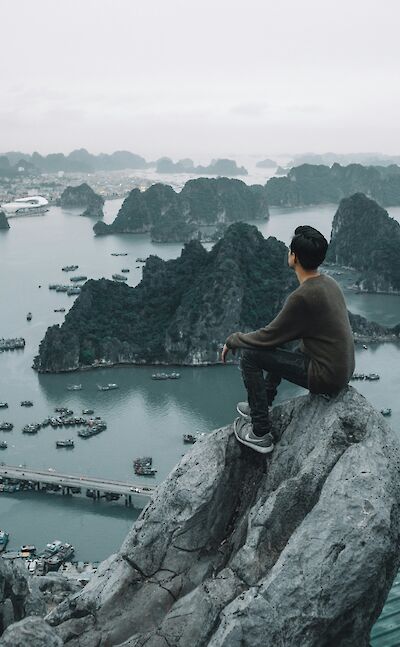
[316, 314]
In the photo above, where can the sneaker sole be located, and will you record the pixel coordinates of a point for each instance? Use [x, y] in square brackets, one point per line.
[260, 450]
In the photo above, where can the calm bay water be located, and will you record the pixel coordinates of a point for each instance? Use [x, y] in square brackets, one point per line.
[143, 416]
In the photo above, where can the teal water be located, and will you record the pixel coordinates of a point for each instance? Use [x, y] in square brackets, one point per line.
[143, 416]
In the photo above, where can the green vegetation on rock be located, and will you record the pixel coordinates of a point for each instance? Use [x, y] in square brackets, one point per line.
[182, 310]
[365, 237]
[179, 217]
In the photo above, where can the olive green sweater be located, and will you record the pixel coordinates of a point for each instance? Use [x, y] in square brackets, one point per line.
[316, 313]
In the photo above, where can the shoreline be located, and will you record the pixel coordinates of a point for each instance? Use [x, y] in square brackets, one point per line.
[358, 339]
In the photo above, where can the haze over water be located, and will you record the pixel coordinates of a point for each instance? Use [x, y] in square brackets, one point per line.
[143, 416]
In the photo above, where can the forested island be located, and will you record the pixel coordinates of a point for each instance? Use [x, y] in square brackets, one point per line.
[366, 238]
[182, 310]
[216, 167]
[267, 163]
[202, 210]
[318, 184]
[83, 196]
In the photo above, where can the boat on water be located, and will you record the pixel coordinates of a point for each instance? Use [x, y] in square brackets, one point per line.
[65, 410]
[107, 387]
[59, 309]
[372, 377]
[145, 461]
[74, 290]
[143, 470]
[31, 428]
[87, 412]
[3, 444]
[32, 205]
[119, 277]
[28, 548]
[140, 260]
[386, 412]
[6, 426]
[69, 268]
[3, 405]
[165, 376]
[4, 537]
[74, 387]
[65, 443]
[26, 403]
[76, 279]
[29, 316]
[91, 431]
[119, 253]
[125, 269]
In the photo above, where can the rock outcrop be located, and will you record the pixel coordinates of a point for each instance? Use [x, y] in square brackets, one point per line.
[30, 632]
[83, 196]
[318, 184]
[181, 312]
[366, 238]
[203, 206]
[22, 594]
[237, 549]
[267, 163]
[4, 224]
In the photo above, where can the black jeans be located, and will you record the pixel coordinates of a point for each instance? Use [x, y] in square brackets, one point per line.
[279, 363]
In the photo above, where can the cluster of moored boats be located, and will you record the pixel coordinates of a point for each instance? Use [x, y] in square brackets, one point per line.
[165, 376]
[12, 343]
[65, 418]
[49, 559]
[143, 466]
[70, 290]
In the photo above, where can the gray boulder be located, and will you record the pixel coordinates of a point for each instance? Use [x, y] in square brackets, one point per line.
[30, 632]
[298, 549]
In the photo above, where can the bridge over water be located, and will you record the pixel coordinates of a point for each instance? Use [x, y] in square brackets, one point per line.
[138, 493]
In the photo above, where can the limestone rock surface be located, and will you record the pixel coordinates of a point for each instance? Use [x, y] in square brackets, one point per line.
[298, 549]
[30, 632]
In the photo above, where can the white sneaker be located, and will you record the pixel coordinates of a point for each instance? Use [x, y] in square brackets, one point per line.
[244, 434]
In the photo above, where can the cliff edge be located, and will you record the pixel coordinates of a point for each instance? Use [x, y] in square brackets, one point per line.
[298, 549]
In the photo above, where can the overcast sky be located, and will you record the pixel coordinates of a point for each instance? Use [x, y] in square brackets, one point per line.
[200, 78]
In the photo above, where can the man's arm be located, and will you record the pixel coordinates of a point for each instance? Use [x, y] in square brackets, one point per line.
[289, 324]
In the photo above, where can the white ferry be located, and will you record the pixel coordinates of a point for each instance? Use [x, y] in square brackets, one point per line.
[30, 206]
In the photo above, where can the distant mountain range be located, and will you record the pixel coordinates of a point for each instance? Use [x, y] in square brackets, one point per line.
[13, 162]
[216, 167]
[77, 161]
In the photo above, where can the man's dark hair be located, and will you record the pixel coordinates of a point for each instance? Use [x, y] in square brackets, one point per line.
[309, 245]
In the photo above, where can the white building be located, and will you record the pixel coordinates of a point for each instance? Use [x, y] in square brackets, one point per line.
[29, 206]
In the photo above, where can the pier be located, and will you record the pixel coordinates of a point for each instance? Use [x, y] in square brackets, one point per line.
[66, 483]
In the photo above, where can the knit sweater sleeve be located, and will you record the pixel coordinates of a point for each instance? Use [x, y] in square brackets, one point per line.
[289, 324]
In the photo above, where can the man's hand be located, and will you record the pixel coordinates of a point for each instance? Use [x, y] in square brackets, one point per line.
[225, 352]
